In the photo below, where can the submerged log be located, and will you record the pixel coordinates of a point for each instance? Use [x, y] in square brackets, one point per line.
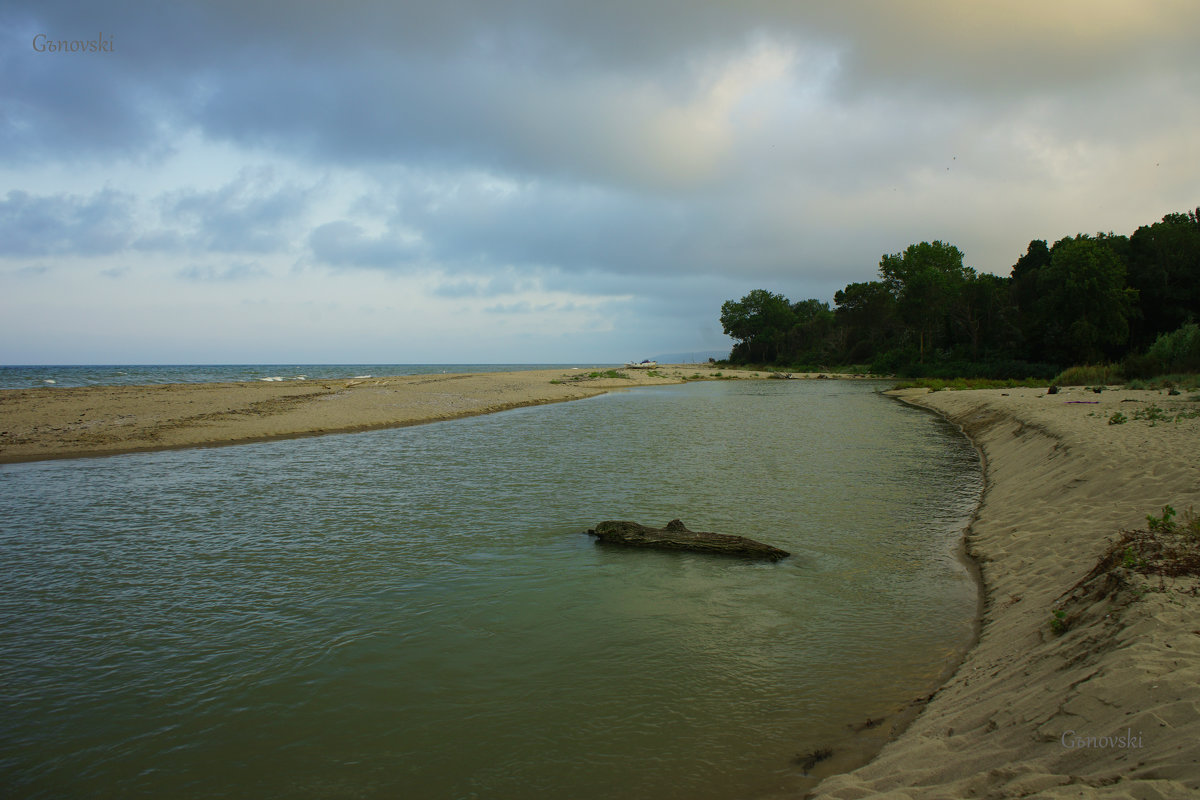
[676, 536]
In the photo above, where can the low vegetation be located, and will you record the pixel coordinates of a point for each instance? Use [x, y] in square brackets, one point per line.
[1153, 414]
[939, 384]
[592, 376]
[1091, 375]
[1167, 548]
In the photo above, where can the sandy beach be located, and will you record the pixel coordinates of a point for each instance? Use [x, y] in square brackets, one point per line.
[44, 423]
[1107, 705]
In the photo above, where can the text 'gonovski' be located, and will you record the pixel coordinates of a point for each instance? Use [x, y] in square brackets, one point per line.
[44, 44]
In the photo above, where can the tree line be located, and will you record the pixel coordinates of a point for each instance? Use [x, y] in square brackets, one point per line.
[1086, 299]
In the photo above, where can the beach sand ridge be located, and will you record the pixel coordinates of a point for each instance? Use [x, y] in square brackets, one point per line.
[1073, 689]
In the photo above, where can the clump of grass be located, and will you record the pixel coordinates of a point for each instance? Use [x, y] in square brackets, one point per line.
[1178, 382]
[1151, 413]
[1154, 414]
[1131, 560]
[593, 375]
[1165, 523]
[1165, 547]
[1090, 375]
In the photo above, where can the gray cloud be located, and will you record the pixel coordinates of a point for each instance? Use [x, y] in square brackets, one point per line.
[346, 244]
[678, 152]
[65, 224]
[349, 78]
[546, 88]
[249, 214]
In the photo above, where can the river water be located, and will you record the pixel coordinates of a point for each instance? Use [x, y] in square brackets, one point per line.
[418, 612]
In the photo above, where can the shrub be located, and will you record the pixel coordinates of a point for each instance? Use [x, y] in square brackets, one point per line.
[994, 370]
[1178, 351]
[1091, 374]
[1139, 366]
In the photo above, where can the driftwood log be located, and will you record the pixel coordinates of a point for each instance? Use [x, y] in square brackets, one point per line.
[676, 536]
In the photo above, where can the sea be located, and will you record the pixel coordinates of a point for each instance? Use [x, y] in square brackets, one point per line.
[66, 376]
[421, 613]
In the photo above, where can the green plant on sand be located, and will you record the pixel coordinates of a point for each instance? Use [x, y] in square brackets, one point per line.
[1165, 547]
[1164, 523]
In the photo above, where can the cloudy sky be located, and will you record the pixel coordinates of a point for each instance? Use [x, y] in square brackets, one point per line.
[547, 180]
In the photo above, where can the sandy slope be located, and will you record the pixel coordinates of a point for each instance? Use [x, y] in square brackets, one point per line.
[1062, 482]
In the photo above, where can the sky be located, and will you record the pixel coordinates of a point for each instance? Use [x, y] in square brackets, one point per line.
[547, 181]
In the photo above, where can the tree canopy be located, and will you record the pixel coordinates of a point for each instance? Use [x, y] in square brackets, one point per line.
[1084, 299]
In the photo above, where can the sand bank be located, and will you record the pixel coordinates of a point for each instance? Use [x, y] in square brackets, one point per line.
[1111, 707]
[44, 423]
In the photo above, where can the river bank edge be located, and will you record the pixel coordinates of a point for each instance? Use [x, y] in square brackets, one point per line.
[1060, 483]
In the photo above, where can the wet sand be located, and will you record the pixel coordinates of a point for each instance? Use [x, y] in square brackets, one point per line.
[1109, 708]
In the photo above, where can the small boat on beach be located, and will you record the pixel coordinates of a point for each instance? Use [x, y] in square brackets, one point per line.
[647, 364]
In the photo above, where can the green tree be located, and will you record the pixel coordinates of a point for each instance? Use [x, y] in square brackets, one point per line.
[759, 321]
[984, 314]
[1025, 293]
[811, 336]
[1083, 306]
[1164, 267]
[1025, 272]
[866, 315]
[926, 280]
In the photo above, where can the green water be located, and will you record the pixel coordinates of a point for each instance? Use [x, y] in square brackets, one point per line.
[416, 613]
